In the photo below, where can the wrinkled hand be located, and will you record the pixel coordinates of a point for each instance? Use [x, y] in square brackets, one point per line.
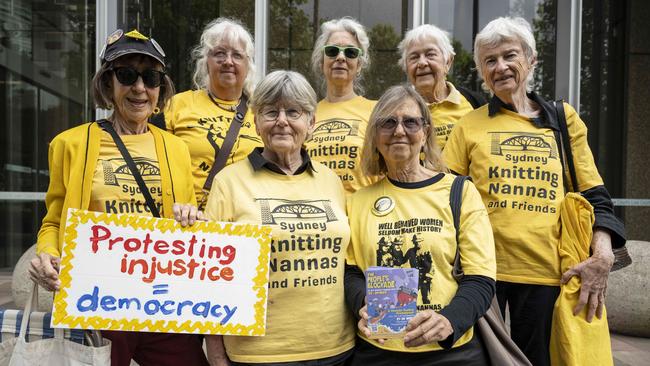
[44, 270]
[427, 327]
[363, 324]
[593, 274]
[187, 214]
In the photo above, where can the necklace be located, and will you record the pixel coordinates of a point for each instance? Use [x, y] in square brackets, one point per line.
[225, 107]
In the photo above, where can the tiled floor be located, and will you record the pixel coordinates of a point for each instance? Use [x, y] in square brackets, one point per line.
[628, 351]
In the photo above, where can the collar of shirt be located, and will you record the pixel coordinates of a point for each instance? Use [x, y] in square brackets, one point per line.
[258, 162]
[547, 118]
[453, 97]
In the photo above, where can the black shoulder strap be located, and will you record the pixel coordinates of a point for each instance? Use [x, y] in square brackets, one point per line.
[566, 144]
[455, 202]
[474, 98]
[108, 127]
[221, 157]
[158, 120]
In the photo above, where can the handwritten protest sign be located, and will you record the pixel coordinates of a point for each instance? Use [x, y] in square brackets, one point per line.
[127, 272]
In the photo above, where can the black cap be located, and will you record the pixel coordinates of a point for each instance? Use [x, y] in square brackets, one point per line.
[120, 44]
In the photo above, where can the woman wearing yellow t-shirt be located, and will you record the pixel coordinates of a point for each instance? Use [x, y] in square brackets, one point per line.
[427, 57]
[304, 204]
[510, 150]
[223, 78]
[409, 212]
[340, 56]
[89, 172]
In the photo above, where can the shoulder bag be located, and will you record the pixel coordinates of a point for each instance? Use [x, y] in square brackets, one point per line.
[622, 257]
[501, 349]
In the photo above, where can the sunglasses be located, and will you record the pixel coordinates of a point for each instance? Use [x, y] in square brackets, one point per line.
[411, 124]
[349, 51]
[128, 76]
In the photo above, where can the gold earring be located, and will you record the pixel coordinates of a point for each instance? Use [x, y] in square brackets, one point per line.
[422, 154]
[156, 110]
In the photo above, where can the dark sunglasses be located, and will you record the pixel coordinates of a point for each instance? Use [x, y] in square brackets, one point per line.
[128, 76]
[411, 124]
[349, 51]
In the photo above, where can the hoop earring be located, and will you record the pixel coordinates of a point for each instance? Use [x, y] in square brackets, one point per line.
[156, 110]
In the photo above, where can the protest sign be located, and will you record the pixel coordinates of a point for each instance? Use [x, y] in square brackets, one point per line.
[135, 273]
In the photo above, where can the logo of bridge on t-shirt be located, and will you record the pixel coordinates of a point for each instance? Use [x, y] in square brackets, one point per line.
[334, 130]
[310, 215]
[126, 196]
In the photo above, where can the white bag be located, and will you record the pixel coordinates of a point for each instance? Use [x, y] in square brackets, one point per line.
[56, 351]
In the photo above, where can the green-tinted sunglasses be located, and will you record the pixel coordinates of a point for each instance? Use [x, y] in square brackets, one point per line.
[349, 51]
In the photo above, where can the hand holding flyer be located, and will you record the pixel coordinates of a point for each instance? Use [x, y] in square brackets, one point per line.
[391, 300]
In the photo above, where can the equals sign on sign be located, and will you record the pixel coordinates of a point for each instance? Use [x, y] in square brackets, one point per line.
[160, 289]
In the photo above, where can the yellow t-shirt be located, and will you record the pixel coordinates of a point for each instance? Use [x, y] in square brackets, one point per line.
[306, 316]
[338, 138]
[413, 227]
[446, 113]
[516, 168]
[114, 188]
[203, 126]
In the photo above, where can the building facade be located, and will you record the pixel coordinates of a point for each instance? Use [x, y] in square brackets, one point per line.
[592, 53]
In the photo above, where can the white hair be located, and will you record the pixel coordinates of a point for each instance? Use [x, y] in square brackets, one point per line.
[219, 31]
[426, 33]
[345, 24]
[502, 30]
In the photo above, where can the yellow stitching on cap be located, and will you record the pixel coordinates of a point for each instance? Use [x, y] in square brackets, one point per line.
[137, 35]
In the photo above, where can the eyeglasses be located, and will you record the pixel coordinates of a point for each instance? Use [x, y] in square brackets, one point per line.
[349, 51]
[128, 76]
[272, 114]
[411, 124]
[221, 55]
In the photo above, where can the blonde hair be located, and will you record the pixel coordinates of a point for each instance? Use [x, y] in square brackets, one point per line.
[228, 31]
[372, 163]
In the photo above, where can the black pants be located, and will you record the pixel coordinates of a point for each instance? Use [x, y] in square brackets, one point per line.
[471, 353]
[531, 313]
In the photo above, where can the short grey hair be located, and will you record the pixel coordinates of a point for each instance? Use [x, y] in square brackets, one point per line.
[218, 31]
[372, 162]
[425, 33]
[284, 86]
[505, 29]
[345, 24]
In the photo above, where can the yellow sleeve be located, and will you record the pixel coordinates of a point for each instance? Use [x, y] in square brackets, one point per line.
[350, 258]
[455, 153]
[190, 195]
[218, 206]
[583, 159]
[48, 235]
[171, 112]
[476, 241]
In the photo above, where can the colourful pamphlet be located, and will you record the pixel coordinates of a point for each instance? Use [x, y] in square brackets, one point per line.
[391, 297]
